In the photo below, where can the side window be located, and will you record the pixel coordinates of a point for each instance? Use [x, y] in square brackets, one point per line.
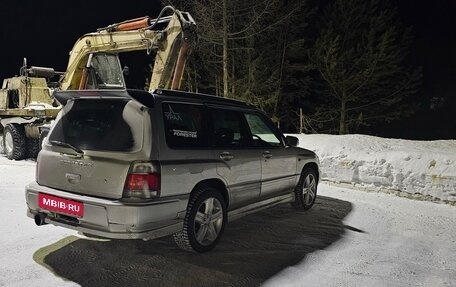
[262, 132]
[230, 129]
[183, 125]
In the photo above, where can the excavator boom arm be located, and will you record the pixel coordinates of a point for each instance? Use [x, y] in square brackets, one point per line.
[170, 45]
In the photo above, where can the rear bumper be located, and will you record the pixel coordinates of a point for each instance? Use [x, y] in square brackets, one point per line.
[112, 218]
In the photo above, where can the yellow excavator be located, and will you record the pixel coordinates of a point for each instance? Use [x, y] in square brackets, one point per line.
[26, 104]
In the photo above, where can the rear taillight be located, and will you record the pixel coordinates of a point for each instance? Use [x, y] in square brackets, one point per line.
[143, 181]
[149, 181]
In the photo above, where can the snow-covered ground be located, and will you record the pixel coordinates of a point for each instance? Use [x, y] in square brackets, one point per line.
[423, 169]
[20, 237]
[398, 242]
[349, 238]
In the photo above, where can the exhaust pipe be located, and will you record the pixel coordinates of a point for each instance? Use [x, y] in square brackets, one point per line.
[39, 219]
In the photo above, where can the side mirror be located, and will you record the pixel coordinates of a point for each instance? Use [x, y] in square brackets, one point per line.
[126, 71]
[292, 141]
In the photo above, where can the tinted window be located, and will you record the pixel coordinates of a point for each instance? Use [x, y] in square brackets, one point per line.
[95, 125]
[183, 125]
[262, 131]
[230, 129]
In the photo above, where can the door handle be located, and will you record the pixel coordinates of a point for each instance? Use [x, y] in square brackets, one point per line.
[226, 156]
[267, 154]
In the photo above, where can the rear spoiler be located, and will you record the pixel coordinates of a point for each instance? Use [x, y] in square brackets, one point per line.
[143, 97]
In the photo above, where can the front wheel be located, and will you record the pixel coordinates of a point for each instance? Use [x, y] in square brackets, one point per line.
[204, 221]
[306, 190]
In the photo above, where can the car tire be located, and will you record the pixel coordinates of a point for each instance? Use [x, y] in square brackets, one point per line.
[204, 221]
[14, 142]
[33, 147]
[306, 190]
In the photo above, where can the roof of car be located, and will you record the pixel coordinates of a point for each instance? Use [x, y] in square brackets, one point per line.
[199, 96]
[145, 97]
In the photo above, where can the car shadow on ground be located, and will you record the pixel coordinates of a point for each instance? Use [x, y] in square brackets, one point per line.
[252, 250]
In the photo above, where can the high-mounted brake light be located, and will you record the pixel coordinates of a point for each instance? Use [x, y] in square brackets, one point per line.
[143, 181]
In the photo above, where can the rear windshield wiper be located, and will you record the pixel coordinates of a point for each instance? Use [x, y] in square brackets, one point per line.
[59, 143]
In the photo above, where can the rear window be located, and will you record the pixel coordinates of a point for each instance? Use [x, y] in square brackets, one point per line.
[95, 125]
[184, 125]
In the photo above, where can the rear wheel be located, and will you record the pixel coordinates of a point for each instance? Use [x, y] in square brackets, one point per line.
[306, 190]
[33, 147]
[14, 141]
[204, 221]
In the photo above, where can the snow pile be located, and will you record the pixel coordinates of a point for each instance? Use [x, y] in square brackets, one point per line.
[416, 167]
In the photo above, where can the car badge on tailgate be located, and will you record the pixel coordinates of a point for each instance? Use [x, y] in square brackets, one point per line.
[79, 167]
[76, 162]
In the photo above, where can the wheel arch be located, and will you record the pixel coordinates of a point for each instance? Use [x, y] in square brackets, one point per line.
[314, 167]
[215, 183]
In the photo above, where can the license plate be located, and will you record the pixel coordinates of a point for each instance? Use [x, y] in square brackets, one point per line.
[60, 205]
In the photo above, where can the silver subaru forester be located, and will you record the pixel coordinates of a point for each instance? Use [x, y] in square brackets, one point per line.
[138, 165]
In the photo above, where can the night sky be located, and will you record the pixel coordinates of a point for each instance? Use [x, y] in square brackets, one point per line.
[434, 29]
[45, 31]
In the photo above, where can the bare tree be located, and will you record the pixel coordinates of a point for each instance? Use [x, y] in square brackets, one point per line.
[360, 55]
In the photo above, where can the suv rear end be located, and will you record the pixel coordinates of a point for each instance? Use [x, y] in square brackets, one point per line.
[135, 165]
[96, 172]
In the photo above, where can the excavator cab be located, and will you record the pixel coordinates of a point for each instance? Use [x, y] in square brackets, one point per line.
[104, 72]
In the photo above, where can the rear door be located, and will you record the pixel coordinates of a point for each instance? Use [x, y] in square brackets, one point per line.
[91, 146]
[238, 163]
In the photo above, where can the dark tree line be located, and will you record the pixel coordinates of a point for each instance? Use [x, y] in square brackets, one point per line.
[342, 63]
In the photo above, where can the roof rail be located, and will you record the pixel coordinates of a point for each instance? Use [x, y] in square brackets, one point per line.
[212, 98]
